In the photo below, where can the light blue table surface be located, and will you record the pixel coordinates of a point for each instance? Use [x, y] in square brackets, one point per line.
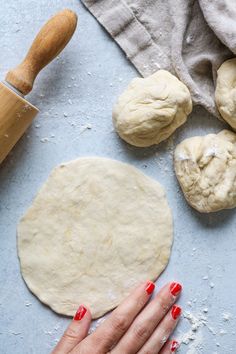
[77, 89]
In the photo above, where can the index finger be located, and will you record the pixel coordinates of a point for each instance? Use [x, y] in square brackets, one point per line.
[108, 334]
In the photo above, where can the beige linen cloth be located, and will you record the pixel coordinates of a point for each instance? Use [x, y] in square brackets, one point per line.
[190, 38]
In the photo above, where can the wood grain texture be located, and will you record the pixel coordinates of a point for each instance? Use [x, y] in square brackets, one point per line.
[49, 42]
[16, 114]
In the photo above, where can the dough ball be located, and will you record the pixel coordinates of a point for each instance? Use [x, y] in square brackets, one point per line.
[96, 229]
[206, 170]
[151, 109]
[225, 94]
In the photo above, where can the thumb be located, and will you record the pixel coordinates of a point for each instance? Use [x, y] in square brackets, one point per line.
[75, 332]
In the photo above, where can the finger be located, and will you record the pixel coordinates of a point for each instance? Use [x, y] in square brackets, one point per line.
[107, 335]
[162, 332]
[75, 332]
[170, 347]
[146, 322]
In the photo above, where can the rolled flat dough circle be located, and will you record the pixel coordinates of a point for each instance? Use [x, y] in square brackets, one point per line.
[96, 228]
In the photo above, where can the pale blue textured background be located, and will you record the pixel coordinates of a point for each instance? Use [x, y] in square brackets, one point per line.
[91, 72]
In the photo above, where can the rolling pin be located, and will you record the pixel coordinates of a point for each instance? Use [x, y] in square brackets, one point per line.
[16, 113]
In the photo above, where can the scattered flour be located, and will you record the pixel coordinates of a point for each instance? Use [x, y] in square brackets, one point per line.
[223, 332]
[227, 316]
[96, 324]
[193, 338]
[15, 333]
[196, 346]
[111, 295]
[164, 340]
[44, 140]
[85, 127]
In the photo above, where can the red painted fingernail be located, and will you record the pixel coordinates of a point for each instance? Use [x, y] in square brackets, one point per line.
[150, 287]
[176, 312]
[80, 313]
[175, 288]
[174, 346]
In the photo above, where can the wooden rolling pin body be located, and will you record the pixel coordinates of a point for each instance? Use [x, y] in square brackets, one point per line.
[16, 114]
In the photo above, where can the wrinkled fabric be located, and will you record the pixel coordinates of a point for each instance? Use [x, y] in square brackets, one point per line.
[189, 38]
[221, 17]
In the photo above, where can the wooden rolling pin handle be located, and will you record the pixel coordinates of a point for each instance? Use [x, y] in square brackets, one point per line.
[50, 41]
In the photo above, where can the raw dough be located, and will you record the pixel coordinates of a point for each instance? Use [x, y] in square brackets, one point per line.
[151, 109]
[206, 169]
[96, 228]
[225, 94]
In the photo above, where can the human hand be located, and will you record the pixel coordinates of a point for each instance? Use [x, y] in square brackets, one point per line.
[135, 326]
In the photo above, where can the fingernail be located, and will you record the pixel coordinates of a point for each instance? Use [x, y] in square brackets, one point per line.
[150, 287]
[176, 312]
[175, 288]
[174, 346]
[80, 313]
